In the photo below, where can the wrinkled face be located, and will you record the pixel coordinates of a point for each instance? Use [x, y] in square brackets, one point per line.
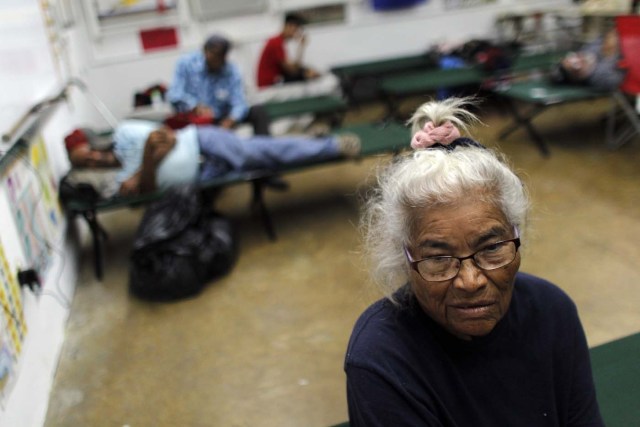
[215, 57]
[473, 302]
[85, 157]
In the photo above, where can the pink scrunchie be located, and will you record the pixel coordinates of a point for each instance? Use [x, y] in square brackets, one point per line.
[444, 134]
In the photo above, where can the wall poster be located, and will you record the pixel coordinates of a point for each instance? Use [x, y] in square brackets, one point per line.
[31, 191]
[12, 327]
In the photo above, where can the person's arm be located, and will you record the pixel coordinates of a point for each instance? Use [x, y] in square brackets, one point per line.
[607, 74]
[131, 185]
[290, 67]
[178, 94]
[297, 65]
[302, 43]
[159, 143]
[610, 44]
[237, 100]
[203, 110]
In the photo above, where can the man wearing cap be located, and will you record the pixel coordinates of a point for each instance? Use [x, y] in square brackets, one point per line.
[151, 156]
[206, 84]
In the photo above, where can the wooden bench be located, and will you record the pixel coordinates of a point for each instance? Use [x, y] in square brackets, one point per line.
[375, 139]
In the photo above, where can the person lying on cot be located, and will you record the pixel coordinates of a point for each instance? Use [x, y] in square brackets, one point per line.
[463, 338]
[151, 156]
[595, 65]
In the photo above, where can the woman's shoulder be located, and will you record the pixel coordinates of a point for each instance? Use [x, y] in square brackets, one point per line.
[383, 325]
[377, 313]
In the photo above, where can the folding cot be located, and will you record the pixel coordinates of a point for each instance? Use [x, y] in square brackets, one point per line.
[540, 94]
[360, 73]
[394, 89]
[323, 105]
[397, 87]
[332, 107]
[377, 138]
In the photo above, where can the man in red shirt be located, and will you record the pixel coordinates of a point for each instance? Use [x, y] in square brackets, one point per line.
[274, 66]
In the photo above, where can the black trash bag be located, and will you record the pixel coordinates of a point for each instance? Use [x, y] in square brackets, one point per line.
[179, 247]
[490, 56]
[69, 191]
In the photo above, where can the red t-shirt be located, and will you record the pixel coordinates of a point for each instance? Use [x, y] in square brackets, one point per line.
[271, 60]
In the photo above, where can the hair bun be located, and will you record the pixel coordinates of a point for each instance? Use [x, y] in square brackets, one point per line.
[458, 142]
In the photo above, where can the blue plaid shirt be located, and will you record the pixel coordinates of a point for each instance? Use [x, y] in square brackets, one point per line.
[193, 84]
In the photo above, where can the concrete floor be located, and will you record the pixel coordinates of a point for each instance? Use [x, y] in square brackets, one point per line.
[264, 345]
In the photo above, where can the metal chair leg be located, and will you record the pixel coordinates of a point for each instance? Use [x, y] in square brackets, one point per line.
[525, 121]
[626, 133]
[98, 234]
[258, 204]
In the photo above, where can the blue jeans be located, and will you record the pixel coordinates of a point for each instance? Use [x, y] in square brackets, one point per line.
[224, 151]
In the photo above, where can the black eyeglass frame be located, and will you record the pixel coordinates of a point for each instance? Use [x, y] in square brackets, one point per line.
[414, 263]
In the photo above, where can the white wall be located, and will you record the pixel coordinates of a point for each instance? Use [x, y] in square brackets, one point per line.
[28, 74]
[45, 312]
[115, 66]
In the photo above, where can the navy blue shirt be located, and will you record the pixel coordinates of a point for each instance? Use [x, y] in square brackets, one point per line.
[533, 369]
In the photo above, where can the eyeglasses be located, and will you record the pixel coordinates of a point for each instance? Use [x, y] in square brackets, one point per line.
[441, 268]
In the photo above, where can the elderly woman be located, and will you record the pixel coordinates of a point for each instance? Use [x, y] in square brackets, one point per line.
[462, 338]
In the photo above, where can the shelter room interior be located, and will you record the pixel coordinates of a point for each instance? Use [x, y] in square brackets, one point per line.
[264, 343]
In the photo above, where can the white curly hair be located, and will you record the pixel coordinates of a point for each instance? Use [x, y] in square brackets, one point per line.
[432, 177]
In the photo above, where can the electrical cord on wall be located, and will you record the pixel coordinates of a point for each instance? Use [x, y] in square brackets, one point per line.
[59, 295]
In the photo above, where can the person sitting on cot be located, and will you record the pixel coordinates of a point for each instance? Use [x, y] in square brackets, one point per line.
[274, 66]
[463, 338]
[209, 87]
[151, 156]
